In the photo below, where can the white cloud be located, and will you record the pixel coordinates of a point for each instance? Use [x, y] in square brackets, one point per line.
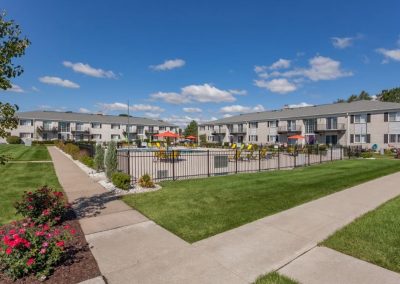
[182, 121]
[281, 86]
[88, 70]
[303, 104]
[169, 65]
[124, 107]
[342, 42]
[15, 89]
[171, 97]
[324, 68]
[35, 89]
[238, 92]
[152, 115]
[192, 109]
[196, 93]
[241, 109]
[389, 54]
[58, 82]
[227, 115]
[280, 64]
[83, 110]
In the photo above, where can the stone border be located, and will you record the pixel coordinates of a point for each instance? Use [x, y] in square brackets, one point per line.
[100, 177]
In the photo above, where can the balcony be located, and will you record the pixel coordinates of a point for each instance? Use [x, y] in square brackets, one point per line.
[238, 130]
[333, 127]
[79, 130]
[49, 129]
[219, 131]
[289, 129]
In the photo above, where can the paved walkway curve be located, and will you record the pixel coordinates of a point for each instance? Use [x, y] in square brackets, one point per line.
[129, 248]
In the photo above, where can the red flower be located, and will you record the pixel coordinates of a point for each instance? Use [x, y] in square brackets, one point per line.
[43, 251]
[30, 261]
[60, 244]
[9, 251]
[46, 212]
[66, 227]
[72, 231]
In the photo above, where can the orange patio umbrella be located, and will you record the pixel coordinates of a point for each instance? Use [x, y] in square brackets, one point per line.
[167, 134]
[297, 137]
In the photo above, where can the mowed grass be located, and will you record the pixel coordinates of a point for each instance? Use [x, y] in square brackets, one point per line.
[197, 209]
[24, 153]
[374, 237]
[15, 178]
[275, 278]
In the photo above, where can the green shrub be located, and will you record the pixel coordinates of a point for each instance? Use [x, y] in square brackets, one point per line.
[86, 160]
[13, 140]
[111, 159]
[145, 181]
[72, 149]
[99, 158]
[44, 205]
[366, 155]
[121, 180]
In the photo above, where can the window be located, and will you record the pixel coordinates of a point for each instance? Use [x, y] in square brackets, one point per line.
[202, 128]
[162, 128]
[64, 126]
[115, 137]
[392, 138]
[26, 122]
[96, 136]
[115, 126]
[291, 125]
[394, 116]
[79, 126]
[96, 125]
[253, 125]
[360, 138]
[26, 135]
[331, 139]
[47, 125]
[273, 123]
[253, 138]
[210, 138]
[360, 118]
[331, 123]
[131, 128]
[272, 138]
[151, 129]
[140, 130]
[310, 125]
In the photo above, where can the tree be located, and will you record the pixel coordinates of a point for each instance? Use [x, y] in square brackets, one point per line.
[362, 96]
[11, 47]
[191, 129]
[111, 159]
[392, 95]
[99, 158]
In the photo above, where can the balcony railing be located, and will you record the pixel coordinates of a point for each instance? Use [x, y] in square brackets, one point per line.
[238, 130]
[152, 131]
[333, 127]
[219, 131]
[286, 129]
[79, 129]
[50, 129]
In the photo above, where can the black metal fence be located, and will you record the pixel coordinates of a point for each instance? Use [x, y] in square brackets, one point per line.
[193, 163]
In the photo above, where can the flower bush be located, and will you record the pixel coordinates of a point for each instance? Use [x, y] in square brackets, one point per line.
[27, 248]
[44, 205]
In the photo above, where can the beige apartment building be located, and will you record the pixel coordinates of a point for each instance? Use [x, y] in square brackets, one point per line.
[51, 125]
[363, 123]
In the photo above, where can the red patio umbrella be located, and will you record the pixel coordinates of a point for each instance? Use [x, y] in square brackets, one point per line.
[191, 137]
[297, 137]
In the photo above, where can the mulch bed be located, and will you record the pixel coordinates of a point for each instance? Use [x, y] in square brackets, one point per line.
[80, 264]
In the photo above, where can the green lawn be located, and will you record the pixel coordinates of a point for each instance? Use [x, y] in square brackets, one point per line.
[197, 209]
[374, 237]
[24, 153]
[275, 278]
[15, 178]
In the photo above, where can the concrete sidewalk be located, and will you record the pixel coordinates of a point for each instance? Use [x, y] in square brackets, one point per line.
[129, 248]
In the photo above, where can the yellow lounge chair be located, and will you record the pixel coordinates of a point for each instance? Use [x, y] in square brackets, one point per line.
[236, 156]
[233, 146]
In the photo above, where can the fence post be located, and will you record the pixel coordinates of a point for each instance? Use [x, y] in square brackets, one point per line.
[236, 160]
[294, 156]
[173, 164]
[208, 163]
[259, 160]
[129, 162]
[331, 153]
[320, 155]
[341, 152]
[308, 154]
[279, 159]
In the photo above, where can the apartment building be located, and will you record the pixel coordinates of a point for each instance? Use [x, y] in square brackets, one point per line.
[362, 123]
[51, 125]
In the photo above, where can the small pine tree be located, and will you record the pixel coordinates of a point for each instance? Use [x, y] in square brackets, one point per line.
[99, 158]
[111, 159]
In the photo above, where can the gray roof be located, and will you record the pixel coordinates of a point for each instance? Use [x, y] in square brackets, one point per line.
[87, 117]
[311, 111]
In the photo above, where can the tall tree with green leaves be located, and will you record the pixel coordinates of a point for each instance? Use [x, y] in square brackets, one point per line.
[191, 129]
[392, 95]
[12, 45]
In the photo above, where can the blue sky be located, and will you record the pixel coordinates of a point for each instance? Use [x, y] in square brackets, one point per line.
[183, 60]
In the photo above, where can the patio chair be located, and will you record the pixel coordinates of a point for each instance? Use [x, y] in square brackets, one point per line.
[160, 155]
[251, 155]
[236, 156]
[233, 146]
[158, 145]
[263, 153]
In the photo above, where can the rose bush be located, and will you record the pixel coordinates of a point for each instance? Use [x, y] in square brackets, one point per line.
[44, 205]
[29, 248]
